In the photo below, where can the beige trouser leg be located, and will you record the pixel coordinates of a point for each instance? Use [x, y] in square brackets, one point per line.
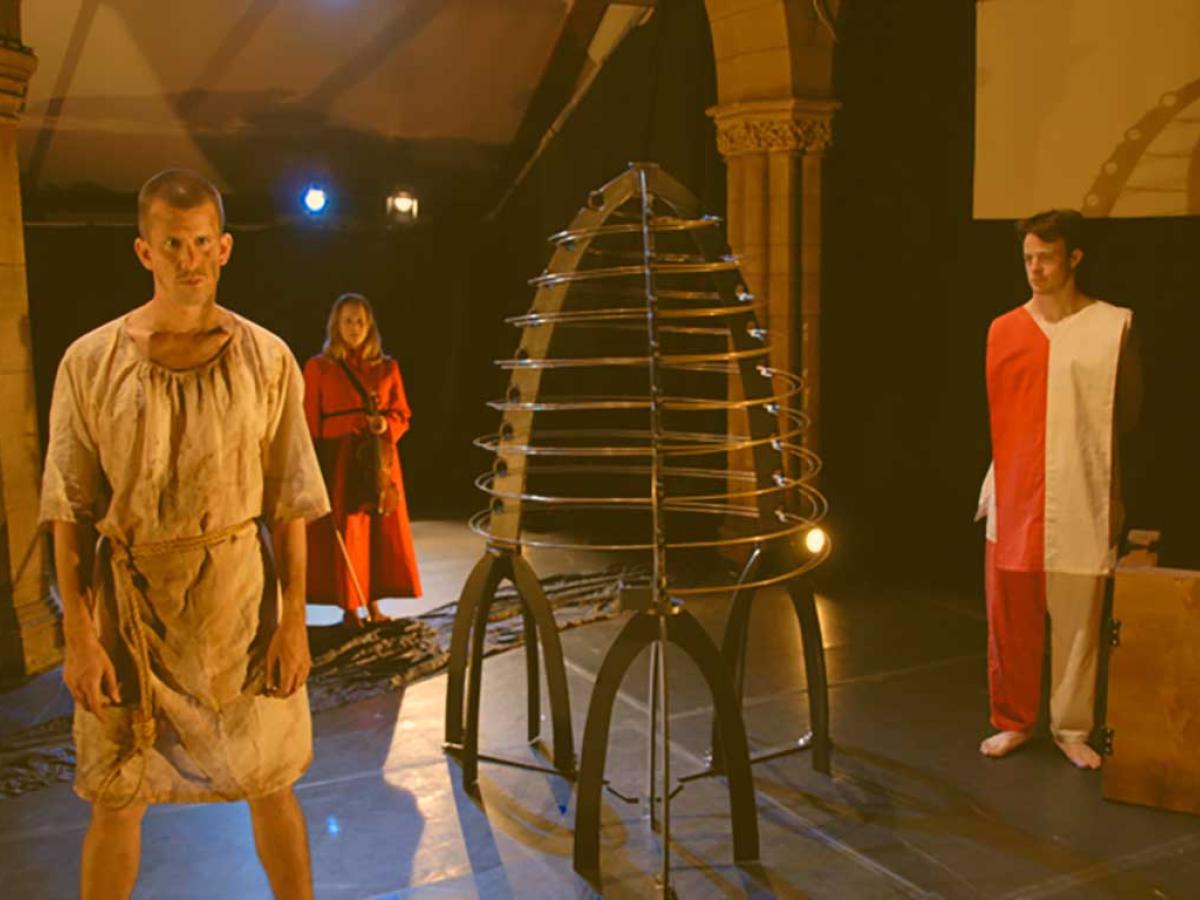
[1074, 603]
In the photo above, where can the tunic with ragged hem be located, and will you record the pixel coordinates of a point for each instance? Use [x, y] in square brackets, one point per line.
[151, 455]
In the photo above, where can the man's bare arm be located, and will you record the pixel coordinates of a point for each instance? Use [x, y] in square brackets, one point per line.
[288, 659]
[87, 669]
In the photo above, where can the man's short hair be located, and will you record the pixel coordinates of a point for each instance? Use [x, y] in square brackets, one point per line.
[1055, 224]
[179, 189]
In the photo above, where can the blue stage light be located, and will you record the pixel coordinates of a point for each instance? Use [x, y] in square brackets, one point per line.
[315, 199]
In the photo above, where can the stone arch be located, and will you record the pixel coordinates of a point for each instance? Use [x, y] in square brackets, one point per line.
[771, 49]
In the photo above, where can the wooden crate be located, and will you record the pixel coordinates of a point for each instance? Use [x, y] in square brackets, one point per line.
[1154, 688]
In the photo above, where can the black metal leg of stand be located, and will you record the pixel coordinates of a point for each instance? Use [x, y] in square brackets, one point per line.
[480, 583]
[466, 664]
[640, 632]
[689, 635]
[814, 671]
[537, 606]
[733, 644]
[533, 680]
[470, 743]
[652, 693]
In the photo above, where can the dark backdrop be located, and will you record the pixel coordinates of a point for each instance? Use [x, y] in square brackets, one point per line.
[285, 279]
[911, 282]
[442, 289]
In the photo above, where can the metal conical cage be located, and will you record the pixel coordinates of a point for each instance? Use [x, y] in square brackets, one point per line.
[642, 410]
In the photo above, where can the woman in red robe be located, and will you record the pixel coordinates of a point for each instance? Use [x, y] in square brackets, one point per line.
[374, 537]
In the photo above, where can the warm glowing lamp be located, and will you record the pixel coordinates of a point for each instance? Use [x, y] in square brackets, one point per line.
[402, 207]
[816, 540]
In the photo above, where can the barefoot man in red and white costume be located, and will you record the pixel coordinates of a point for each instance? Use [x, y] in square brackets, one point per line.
[1062, 383]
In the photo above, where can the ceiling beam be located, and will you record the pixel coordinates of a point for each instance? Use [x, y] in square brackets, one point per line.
[554, 91]
[414, 17]
[62, 85]
[236, 39]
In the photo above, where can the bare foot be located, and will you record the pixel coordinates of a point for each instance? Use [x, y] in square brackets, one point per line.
[1080, 754]
[375, 614]
[1003, 743]
[351, 620]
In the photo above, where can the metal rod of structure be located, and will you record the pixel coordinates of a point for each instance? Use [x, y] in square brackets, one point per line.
[662, 599]
[362, 598]
[652, 741]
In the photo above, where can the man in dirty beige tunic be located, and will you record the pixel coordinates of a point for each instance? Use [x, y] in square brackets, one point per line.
[177, 434]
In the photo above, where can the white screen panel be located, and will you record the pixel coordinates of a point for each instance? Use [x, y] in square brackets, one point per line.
[1089, 104]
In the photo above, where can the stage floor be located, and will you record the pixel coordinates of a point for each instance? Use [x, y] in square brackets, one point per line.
[912, 809]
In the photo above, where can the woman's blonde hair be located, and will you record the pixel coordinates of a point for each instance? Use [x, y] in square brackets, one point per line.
[372, 347]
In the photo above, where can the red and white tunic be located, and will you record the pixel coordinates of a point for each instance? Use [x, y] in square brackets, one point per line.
[1051, 393]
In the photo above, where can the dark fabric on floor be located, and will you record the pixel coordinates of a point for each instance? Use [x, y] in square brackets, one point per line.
[353, 665]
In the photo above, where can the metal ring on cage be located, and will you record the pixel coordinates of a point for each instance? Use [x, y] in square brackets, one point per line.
[810, 464]
[722, 367]
[665, 360]
[635, 328]
[496, 443]
[621, 291]
[547, 505]
[659, 224]
[799, 524]
[554, 278]
[485, 483]
[668, 258]
[640, 329]
[798, 422]
[819, 506]
[673, 404]
[583, 317]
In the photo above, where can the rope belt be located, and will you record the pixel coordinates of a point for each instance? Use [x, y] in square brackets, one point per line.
[354, 411]
[343, 412]
[133, 631]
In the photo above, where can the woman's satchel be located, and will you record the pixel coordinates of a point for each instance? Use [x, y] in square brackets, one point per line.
[370, 487]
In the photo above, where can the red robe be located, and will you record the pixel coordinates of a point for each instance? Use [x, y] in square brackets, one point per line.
[380, 547]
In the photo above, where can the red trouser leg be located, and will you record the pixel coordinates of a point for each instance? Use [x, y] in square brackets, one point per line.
[1016, 608]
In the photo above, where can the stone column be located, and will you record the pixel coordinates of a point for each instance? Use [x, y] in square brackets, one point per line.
[773, 150]
[30, 634]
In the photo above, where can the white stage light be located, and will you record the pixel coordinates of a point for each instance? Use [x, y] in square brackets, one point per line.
[402, 207]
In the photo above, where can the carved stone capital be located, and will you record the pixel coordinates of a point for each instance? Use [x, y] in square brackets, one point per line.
[792, 125]
[17, 65]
